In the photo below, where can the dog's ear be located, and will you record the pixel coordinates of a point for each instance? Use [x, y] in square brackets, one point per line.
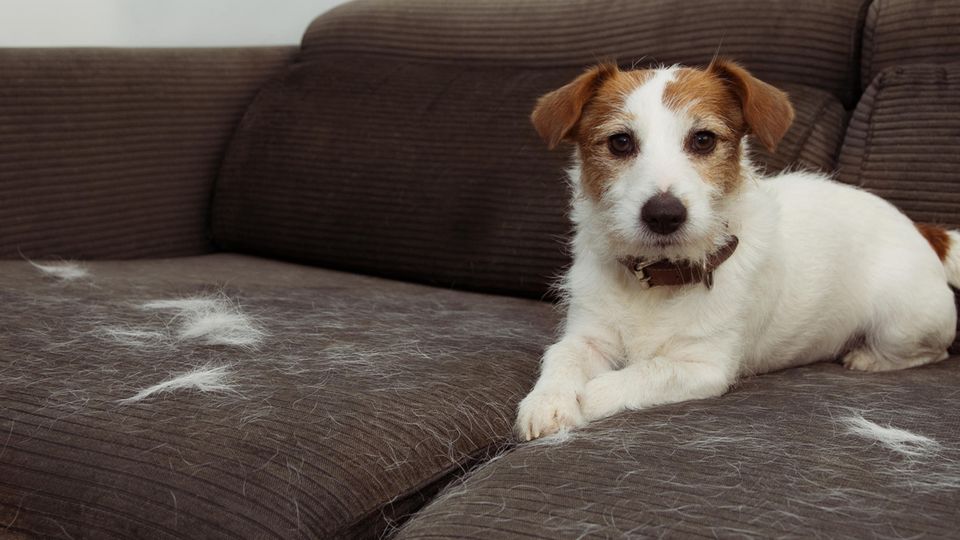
[766, 110]
[556, 115]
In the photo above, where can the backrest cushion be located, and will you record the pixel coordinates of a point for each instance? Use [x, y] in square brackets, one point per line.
[113, 153]
[903, 141]
[392, 155]
[898, 32]
[421, 172]
[814, 43]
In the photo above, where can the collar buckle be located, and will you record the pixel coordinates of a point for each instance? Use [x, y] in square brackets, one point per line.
[639, 271]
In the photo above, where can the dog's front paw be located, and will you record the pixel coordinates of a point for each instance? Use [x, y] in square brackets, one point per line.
[602, 397]
[545, 412]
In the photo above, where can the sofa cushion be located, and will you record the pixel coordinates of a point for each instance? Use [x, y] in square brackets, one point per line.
[903, 138]
[362, 399]
[899, 32]
[423, 171]
[813, 141]
[794, 454]
[112, 153]
[812, 43]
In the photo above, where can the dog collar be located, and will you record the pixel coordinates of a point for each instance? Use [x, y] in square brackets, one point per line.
[666, 273]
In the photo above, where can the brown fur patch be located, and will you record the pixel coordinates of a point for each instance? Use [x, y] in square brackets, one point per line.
[766, 110]
[937, 237]
[712, 105]
[601, 118]
[557, 114]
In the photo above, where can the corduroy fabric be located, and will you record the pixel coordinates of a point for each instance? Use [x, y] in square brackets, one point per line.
[901, 32]
[814, 139]
[364, 398]
[425, 172]
[774, 458]
[812, 43]
[112, 153]
[903, 138]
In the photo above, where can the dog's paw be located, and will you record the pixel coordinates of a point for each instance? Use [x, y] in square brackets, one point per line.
[545, 412]
[860, 360]
[602, 397]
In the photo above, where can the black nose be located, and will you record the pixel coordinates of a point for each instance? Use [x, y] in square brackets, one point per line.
[663, 213]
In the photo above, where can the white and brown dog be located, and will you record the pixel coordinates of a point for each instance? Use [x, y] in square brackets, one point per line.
[691, 270]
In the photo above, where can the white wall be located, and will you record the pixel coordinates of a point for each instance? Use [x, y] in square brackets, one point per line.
[155, 23]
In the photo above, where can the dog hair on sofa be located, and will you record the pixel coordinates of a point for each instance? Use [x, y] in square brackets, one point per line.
[62, 270]
[202, 379]
[212, 320]
[895, 439]
[753, 274]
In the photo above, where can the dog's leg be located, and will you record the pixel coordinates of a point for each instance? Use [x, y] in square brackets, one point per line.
[867, 359]
[554, 402]
[892, 350]
[693, 372]
[916, 329]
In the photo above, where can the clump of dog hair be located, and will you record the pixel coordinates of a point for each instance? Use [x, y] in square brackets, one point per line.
[211, 320]
[897, 440]
[201, 379]
[62, 270]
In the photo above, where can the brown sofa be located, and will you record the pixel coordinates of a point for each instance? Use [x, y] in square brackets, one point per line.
[377, 204]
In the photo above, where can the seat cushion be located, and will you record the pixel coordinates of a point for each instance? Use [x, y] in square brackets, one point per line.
[903, 138]
[794, 454]
[327, 405]
[425, 172]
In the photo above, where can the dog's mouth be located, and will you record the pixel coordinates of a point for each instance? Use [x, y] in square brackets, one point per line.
[676, 247]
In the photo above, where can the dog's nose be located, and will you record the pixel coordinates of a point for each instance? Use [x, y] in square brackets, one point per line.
[663, 213]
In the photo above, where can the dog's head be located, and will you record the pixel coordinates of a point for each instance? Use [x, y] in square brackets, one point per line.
[661, 150]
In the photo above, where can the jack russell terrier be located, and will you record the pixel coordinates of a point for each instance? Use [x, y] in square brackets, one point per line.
[691, 269]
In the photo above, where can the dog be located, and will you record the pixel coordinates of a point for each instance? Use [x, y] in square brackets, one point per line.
[690, 269]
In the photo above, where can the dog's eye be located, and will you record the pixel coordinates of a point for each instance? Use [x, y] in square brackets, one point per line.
[703, 142]
[621, 144]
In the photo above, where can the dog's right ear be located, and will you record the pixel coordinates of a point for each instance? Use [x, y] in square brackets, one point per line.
[556, 115]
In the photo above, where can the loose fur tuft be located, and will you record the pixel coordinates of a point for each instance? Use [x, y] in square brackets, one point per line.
[895, 439]
[212, 321]
[201, 379]
[64, 270]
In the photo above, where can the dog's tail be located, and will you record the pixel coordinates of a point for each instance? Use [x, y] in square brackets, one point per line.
[947, 246]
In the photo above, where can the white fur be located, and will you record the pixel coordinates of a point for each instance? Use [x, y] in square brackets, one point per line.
[898, 440]
[64, 270]
[819, 265]
[201, 379]
[211, 320]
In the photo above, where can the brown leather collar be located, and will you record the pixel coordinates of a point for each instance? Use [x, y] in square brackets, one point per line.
[667, 273]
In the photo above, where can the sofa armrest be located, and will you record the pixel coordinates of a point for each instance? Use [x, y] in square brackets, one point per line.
[112, 153]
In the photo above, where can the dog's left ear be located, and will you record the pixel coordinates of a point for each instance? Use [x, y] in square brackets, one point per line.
[557, 114]
[766, 110]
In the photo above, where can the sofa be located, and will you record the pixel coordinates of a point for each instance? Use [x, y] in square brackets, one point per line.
[298, 292]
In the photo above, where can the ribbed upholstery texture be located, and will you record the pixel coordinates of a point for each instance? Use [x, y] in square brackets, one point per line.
[774, 458]
[427, 172]
[903, 138]
[813, 43]
[902, 32]
[814, 139]
[112, 153]
[363, 399]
